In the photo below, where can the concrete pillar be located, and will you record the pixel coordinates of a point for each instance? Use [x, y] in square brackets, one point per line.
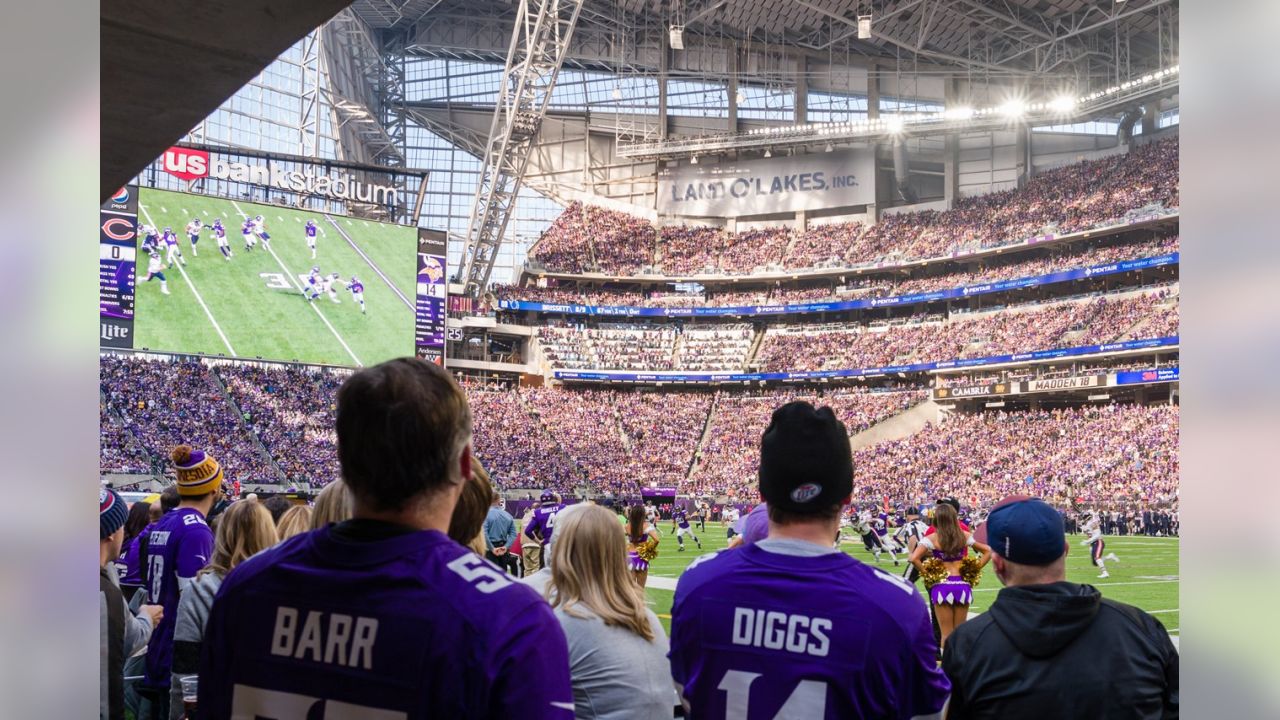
[951, 149]
[732, 87]
[802, 89]
[1149, 118]
[802, 221]
[873, 93]
[1022, 151]
[664, 61]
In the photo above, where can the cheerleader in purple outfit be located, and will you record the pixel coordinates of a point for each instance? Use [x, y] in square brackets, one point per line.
[642, 544]
[949, 574]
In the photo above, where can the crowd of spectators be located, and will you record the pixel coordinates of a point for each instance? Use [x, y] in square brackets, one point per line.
[993, 270]
[714, 347]
[122, 452]
[730, 457]
[1102, 457]
[620, 346]
[515, 445]
[291, 410]
[163, 403]
[1072, 323]
[1059, 201]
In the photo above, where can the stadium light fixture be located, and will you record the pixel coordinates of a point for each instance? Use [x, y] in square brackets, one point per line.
[677, 37]
[864, 27]
[1062, 104]
[1013, 109]
[894, 124]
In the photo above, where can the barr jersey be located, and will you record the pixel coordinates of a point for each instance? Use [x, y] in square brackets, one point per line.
[406, 626]
[543, 522]
[178, 545]
[760, 634]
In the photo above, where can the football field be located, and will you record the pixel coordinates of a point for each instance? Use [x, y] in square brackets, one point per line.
[1146, 575]
[252, 305]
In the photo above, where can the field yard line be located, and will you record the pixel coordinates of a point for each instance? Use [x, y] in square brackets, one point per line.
[294, 280]
[661, 583]
[1114, 584]
[369, 260]
[195, 292]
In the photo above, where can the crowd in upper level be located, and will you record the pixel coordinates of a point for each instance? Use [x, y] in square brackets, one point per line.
[1059, 201]
[992, 270]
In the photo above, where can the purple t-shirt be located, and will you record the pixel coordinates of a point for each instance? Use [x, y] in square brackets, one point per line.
[757, 634]
[178, 545]
[409, 625]
[130, 560]
[543, 522]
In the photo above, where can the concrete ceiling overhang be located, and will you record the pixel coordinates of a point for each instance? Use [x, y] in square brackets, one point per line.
[168, 64]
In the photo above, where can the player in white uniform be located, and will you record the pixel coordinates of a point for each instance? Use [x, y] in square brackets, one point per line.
[193, 234]
[1093, 529]
[172, 250]
[260, 229]
[730, 517]
[155, 270]
[327, 284]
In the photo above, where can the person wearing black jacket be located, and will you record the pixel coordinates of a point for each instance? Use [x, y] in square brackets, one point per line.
[1048, 648]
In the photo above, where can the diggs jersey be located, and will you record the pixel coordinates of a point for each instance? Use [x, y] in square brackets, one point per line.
[543, 522]
[758, 635]
[680, 517]
[178, 545]
[411, 626]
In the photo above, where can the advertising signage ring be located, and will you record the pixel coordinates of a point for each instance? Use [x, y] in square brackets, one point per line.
[189, 165]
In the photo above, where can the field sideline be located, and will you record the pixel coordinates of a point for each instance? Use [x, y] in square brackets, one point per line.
[1146, 576]
[252, 306]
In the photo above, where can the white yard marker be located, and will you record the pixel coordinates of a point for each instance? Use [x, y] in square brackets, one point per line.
[280, 218]
[206, 213]
[196, 292]
[294, 279]
[164, 210]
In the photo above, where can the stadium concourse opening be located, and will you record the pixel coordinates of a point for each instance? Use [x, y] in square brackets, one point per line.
[836, 316]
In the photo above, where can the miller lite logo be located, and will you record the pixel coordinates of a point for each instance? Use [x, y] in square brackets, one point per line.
[185, 164]
[113, 332]
[806, 492]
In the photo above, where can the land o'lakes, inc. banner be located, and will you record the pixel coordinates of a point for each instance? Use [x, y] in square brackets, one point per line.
[768, 185]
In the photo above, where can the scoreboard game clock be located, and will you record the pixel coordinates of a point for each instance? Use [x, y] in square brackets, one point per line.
[117, 267]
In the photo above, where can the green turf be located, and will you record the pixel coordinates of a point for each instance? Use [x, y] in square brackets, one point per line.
[275, 323]
[1146, 576]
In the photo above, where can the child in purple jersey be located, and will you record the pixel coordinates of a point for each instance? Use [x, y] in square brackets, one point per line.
[383, 616]
[178, 546]
[788, 627]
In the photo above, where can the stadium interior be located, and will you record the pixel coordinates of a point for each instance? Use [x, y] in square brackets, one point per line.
[954, 222]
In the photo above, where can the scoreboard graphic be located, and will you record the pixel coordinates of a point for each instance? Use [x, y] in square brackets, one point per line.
[432, 294]
[117, 267]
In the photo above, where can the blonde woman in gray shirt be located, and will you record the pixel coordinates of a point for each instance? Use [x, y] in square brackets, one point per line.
[617, 648]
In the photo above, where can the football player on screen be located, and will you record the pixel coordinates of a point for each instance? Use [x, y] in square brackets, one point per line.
[171, 247]
[311, 285]
[155, 270]
[247, 231]
[356, 288]
[193, 234]
[311, 237]
[220, 236]
[327, 284]
[260, 229]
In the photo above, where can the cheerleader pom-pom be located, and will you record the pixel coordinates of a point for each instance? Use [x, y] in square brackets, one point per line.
[933, 572]
[648, 550]
[971, 571]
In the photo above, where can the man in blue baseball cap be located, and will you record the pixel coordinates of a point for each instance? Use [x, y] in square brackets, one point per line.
[1049, 648]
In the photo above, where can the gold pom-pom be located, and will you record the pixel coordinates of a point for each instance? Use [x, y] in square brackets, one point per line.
[181, 455]
[647, 550]
[933, 572]
[971, 570]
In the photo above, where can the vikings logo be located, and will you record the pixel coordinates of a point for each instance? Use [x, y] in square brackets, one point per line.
[432, 269]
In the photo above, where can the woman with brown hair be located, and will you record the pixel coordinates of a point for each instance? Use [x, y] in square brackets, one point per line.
[949, 573]
[466, 526]
[244, 530]
[617, 648]
[642, 544]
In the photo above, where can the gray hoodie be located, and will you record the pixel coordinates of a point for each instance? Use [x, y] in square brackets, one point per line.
[137, 630]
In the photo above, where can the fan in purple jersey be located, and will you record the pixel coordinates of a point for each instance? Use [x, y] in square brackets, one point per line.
[680, 524]
[789, 627]
[383, 616]
[179, 544]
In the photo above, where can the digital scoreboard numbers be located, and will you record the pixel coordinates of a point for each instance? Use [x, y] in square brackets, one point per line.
[117, 267]
[432, 295]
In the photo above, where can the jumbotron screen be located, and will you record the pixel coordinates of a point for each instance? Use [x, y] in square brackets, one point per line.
[219, 276]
